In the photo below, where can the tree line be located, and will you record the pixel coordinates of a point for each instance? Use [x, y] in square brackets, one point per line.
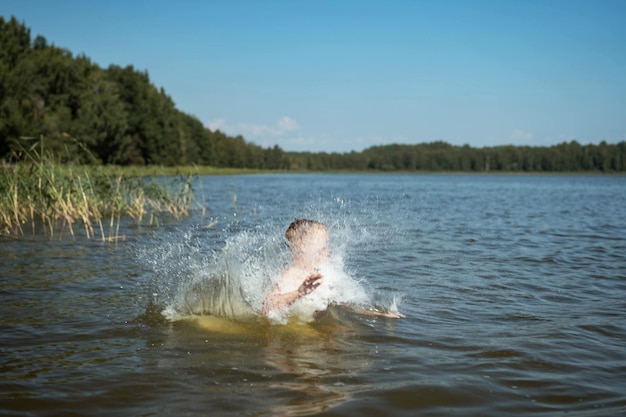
[442, 156]
[115, 115]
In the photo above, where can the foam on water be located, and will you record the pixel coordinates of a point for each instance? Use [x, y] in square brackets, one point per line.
[193, 276]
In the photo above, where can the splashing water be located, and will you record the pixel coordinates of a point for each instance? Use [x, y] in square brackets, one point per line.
[191, 279]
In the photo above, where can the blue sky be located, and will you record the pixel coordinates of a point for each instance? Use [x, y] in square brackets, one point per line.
[338, 75]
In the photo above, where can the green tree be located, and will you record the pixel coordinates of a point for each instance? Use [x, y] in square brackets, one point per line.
[101, 120]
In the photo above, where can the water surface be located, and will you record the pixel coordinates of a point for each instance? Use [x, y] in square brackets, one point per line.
[514, 288]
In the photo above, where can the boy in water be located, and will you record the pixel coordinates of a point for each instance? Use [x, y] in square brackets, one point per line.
[308, 242]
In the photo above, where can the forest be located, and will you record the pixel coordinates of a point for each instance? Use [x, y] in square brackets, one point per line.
[116, 116]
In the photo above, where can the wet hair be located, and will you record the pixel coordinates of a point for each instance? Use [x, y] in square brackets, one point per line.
[298, 229]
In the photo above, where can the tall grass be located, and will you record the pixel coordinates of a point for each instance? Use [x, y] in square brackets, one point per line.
[39, 193]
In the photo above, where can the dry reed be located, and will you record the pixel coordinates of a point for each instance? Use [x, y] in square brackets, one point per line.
[57, 198]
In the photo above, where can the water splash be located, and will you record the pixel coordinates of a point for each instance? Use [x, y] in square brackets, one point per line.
[199, 274]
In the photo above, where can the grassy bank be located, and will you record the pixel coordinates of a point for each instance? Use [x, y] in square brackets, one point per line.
[160, 171]
[39, 194]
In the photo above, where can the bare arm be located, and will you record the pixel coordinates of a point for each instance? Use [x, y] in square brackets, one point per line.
[372, 312]
[277, 300]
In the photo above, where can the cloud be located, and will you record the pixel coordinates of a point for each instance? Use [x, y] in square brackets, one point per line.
[287, 124]
[217, 124]
[282, 126]
[287, 133]
[521, 136]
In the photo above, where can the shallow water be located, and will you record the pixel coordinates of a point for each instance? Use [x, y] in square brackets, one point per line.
[514, 288]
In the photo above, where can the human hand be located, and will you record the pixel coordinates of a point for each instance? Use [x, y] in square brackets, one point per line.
[391, 315]
[310, 284]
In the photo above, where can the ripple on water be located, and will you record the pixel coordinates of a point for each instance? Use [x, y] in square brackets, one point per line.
[513, 287]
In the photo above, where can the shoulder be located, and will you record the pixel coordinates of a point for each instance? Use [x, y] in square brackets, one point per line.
[291, 278]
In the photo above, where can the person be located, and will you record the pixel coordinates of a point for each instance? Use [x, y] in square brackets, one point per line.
[308, 243]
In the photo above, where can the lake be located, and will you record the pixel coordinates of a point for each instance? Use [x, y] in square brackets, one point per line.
[513, 287]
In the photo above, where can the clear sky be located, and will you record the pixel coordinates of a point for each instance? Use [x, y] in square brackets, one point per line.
[339, 75]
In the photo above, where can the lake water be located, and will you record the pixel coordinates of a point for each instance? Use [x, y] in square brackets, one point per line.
[513, 287]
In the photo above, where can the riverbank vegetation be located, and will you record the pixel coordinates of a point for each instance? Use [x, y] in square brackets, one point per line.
[39, 194]
[122, 119]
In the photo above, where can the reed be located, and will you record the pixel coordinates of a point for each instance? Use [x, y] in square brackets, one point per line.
[40, 193]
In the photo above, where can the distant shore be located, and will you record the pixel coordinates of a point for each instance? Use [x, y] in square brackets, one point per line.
[160, 171]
